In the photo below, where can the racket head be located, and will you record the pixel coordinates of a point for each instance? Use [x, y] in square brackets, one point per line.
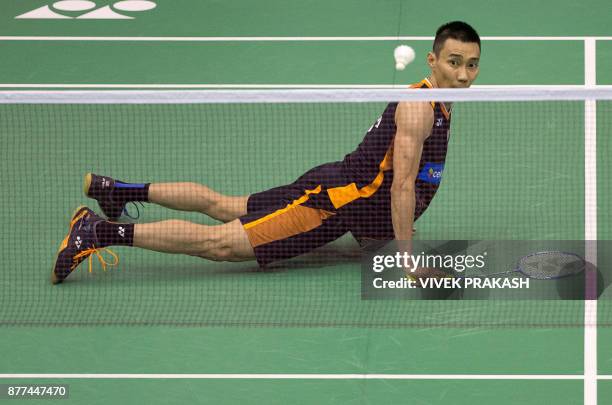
[551, 265]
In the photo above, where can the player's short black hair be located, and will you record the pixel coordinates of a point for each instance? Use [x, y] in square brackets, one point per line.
[456, 30]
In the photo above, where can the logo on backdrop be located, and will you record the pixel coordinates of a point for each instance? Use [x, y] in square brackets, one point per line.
[88, 10]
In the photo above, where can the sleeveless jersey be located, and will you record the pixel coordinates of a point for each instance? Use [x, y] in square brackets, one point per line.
[370, 166]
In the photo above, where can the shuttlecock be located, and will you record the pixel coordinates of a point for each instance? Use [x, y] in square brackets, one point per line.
[403, 55]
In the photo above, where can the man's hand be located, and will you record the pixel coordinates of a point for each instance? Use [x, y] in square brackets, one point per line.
[423, 273]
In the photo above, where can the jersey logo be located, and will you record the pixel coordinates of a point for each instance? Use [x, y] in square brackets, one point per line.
[376, 124]
[439, 121]
[431, 173]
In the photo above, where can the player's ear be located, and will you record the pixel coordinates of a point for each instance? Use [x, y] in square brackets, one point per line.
[431, 59]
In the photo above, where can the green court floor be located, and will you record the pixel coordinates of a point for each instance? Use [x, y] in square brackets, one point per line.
[514, 172]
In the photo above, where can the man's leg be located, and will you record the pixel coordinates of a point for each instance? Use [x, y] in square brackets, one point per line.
[112, 195]
[198, 198]
[227, 242]
[88, 233]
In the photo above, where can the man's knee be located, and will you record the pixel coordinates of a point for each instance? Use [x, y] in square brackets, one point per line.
[227, 242]
[231, 207]
[224, 253]
[219, 253]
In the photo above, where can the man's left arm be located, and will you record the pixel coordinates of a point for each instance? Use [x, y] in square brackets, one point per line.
[413, 122]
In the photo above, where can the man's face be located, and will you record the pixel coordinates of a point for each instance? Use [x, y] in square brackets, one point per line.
[457, 65]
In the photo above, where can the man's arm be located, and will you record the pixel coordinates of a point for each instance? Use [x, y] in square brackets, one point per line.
[413, 122]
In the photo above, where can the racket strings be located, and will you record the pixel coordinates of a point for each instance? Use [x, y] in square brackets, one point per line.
[547, 265]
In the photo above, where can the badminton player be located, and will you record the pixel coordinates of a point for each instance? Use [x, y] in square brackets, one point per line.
[376, 192]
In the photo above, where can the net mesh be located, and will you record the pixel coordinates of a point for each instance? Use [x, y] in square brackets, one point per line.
[515, 170]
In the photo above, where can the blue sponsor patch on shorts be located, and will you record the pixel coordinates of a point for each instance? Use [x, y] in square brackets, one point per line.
[431, 173]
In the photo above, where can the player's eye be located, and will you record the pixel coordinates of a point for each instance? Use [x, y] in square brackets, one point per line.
[454, 62]
[473, 65]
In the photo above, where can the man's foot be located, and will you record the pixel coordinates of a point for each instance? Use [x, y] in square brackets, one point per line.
[79, 244]
[101, 189]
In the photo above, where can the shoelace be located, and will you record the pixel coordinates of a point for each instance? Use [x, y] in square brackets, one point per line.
[98, 251]
[127, 214]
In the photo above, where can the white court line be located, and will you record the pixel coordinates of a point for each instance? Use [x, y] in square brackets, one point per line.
[303, 376]
[590, 222]
[288, 39]
[265, 86]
